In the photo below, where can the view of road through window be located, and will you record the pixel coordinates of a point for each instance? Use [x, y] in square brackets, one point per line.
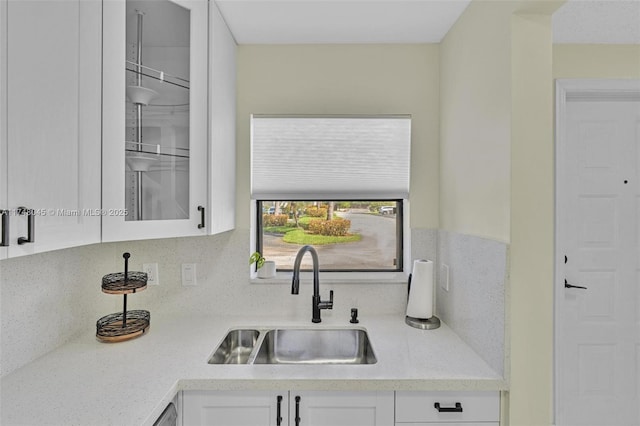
[347, 235]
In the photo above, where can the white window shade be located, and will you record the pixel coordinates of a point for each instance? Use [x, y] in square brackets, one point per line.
[301, 157]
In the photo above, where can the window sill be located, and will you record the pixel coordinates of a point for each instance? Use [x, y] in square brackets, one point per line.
[338, 278]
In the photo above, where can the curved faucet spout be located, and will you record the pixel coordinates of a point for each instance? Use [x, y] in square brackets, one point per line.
[317, 304]
[295, 283]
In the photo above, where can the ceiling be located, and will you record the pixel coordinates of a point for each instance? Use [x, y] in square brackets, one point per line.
[408, 21]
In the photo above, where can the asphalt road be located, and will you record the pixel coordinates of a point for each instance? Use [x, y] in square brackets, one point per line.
[376, 249]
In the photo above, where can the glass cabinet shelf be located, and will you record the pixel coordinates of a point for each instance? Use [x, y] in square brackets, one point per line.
[156, 149]
[156, 74]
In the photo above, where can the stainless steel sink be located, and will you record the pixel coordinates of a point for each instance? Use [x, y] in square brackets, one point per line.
[315, 346]
[295, 346]
[236, 347]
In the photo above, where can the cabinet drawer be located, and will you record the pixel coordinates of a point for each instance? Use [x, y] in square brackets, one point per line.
[451, 424]
[416, 407]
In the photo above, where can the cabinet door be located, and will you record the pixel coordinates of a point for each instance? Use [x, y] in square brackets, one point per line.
[316, 408]
[53, 101]
[235, 408]
[423, 407]
[4, 205]
[154, 152]
[451, 424]
[222, 99]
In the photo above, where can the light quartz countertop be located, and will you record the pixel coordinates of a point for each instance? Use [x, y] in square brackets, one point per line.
[88, 383]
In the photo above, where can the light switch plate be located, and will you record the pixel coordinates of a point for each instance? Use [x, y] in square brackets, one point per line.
[151, 269]
[189, 274]
[444, 277]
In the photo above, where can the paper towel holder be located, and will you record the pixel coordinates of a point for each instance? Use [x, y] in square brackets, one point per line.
[423, 323]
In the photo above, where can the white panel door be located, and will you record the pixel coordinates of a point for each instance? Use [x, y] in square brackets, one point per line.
[341, 408]
[598, 337]
[235, 408]
[53, 104]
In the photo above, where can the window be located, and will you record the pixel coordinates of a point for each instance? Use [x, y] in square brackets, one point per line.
[337, 183]
[348, 235]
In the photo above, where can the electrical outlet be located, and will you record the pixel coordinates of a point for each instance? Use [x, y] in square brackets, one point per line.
[151, 269]
[189, 274]
[444, 277]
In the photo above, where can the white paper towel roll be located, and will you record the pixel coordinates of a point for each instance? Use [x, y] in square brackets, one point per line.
[421, 292]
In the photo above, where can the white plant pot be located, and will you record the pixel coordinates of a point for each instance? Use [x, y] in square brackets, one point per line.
[268, 269]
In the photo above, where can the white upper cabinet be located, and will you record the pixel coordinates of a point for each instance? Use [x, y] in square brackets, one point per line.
[117, 122]
[50, 123]
[222, 104]
[4, 212]
[155, 119]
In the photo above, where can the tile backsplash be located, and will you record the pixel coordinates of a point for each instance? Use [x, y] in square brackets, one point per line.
[51, 298]
[474, 307]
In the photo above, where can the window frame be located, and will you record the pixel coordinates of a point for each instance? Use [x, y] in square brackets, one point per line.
[399, 260]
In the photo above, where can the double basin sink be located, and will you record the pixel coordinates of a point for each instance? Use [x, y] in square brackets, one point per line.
[295, 346]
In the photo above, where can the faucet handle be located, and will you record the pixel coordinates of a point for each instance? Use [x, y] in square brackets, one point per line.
[327, 304]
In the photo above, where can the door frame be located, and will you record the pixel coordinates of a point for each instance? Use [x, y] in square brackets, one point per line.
[567, 90]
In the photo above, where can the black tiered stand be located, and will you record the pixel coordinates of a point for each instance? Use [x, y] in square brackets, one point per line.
[123, 325]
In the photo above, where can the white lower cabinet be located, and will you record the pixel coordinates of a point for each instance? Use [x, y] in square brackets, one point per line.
[447, 408]
[235, 408]
[287, 408]
[315, 408]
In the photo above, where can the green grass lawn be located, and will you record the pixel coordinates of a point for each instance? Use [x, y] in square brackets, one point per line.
[300, 236]
[294, 235]
[279, 229]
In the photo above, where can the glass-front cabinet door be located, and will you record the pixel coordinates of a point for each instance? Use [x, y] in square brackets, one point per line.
[154, 144]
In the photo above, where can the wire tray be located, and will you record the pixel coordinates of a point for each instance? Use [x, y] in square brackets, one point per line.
[111, 328]
[116, 284]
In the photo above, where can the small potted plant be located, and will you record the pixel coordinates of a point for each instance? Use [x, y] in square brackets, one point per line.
[266, 268]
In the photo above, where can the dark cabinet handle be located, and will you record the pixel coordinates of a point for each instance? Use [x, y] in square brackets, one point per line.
[456, 409]
[297, 411]
[567, 285]
[31, 225]
[278, 411]
[5, 228]
[201, 210]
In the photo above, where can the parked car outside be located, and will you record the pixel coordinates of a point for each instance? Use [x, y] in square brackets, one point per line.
[384, 210]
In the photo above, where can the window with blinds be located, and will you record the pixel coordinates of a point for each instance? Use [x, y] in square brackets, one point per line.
[336, 183]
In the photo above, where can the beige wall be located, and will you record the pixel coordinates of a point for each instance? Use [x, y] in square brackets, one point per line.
[475, 108]
[596, 61]
[532, 221]
[497, 173]
[345, 79]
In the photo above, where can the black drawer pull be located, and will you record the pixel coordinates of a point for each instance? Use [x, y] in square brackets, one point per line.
[201, 210]
[31, 226]
[297, 419]
[5, 228]
[279, 411]
[456, 409]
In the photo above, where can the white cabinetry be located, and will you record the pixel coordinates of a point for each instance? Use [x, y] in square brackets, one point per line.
[235, 408]
[269, 408]
[50, 123]
[222, 128]
[154, 156]
[66, 123]
[447, 408]
[315, 408]
[4, 224]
